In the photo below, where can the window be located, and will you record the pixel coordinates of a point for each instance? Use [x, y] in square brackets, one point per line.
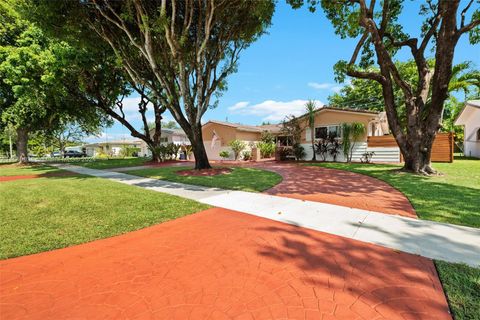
[331, 131]
[478, 134]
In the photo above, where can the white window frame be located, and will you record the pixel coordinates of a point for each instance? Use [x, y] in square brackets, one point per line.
[328, 130]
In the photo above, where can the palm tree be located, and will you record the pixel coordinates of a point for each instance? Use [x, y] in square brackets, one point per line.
[310, 108]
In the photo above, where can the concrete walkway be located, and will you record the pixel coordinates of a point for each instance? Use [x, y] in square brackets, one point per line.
[426, 238]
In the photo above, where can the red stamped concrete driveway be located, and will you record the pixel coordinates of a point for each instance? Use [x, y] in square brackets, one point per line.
[221, 264]
[338, 187]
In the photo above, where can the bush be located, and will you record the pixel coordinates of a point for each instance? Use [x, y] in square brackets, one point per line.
[247, 155]
[224, 154]
[267, 137]
[298, 151]
[129, 151]
[237, 147]
[267, 149]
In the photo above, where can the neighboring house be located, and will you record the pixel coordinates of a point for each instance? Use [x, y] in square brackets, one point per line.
[111, 148]
[176, 136]
[217, 135]
[328, 121]
[469, 117]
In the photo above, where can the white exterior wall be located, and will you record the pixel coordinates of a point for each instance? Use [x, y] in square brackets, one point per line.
[381, 154]
[470, 143]
[214, 153]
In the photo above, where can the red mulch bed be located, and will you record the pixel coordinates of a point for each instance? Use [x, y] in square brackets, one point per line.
[35, 176]
[204, 172]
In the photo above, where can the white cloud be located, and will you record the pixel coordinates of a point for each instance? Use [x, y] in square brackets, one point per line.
[335, 87]
[320, 86]
[271, 110]
[130, 104]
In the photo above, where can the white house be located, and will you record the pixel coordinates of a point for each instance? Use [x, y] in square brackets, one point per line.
[470, 119]
[176, 136]
[110, 148]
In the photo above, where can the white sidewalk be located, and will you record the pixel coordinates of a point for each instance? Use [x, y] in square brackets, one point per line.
[426, 238]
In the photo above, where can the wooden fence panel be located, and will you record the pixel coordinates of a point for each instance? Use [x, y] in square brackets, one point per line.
[442, 149]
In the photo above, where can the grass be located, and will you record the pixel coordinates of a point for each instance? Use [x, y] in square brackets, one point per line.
[245, 179]
[49, 213]
[453, 197]
[20, 170]
[462, 285]
[111, 163]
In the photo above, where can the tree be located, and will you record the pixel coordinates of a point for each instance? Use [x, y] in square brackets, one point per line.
[381, 36]
[35, 74]
[310, 108]
[237, 147]
[351, 134]
[182, 51]
[366, 94]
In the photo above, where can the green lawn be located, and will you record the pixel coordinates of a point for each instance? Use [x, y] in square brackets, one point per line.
[20, 170]
[453, 197]
[245, 179]
[462, 285]
[49, 213]
[111, 163]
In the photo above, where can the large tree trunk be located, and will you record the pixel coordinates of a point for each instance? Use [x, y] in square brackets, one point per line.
[198, 148]
[155, 154]
[417, 152]
[22, 143]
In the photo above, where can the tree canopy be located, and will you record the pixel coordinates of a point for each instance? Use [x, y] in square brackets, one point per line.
[182, 51]
[380, 36]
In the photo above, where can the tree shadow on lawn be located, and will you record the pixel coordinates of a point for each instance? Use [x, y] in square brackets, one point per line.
[361, 277]
[440, 201]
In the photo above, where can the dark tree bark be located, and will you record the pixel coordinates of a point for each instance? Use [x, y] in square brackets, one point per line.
[22, 145]
[423, 110]
[198, 148]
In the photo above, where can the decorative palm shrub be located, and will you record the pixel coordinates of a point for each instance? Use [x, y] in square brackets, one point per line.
[351, 134]
[237, 147]
[247, 155]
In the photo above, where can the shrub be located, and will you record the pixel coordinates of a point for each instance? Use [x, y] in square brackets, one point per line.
[129, 151]
[267, 149]
[237, 147]
[267, 137]
[298, 151]
[351, 133]
[224, 154]
[247, 155]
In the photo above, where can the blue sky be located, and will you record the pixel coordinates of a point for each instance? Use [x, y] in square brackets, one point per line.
[292, 63]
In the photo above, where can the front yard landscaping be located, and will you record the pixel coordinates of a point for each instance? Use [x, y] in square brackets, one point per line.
[452, 197]
[49, 213]
[245, 179]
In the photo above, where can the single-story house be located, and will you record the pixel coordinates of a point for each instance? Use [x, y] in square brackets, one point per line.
[469, 117]
[110, 148]
[176, 136]
[217, 135]
[328, 121]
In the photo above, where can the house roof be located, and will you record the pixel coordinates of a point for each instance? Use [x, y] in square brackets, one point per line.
[248, 128]
[337, 109]
[177, 131]
[463, 116]
[118, 142]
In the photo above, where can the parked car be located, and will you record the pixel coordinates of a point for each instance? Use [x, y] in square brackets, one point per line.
[74, 154]
[56, 154]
